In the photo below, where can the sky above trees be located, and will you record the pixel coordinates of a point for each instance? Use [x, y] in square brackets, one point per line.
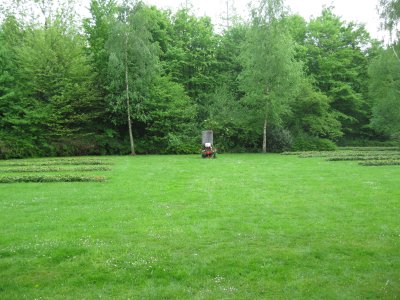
[361, 11]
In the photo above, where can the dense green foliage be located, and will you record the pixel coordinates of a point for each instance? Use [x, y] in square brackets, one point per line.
[337, 59]
[134, 74]
[160, 227]
[385, 92]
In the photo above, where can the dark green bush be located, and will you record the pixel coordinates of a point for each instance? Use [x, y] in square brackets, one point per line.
[278, 139]
[309, 143]
[368, 143]
[180, 144]
[17, 148]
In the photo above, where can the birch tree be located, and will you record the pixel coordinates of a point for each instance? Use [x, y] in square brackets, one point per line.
[133, 63]
[270, 75]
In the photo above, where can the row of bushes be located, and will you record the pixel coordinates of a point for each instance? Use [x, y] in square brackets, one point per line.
[51, 178]
[39, 169]
[38, 163]
[83, 145]
[278, 140]
[309, 143]
[368, 156]
[306, 143]
[388, 162]
[23, 147]
[363, 158]
[369, 148]
[366, 143]
[347, 154]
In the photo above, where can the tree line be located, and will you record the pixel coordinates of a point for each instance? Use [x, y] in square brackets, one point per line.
[132, 78]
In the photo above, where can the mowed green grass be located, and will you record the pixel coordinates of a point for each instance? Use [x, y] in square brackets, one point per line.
[180, 227]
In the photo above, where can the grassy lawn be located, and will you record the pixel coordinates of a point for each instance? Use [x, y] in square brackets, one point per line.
[180, 227]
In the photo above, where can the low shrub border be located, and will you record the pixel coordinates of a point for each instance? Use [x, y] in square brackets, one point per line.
[38, 169]
[349, 154]
[367, 156]
[369, 148]
[54, 163]
[364, 158]
[380, 163]
[53, 178]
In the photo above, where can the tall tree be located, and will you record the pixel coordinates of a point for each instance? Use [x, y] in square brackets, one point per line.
[49, 104]
[133, 63]
[384, 90]
[337, 59]
[56, 76]
[13, 141]
[390, 14]
[389, 11]
[224, 110]
[191, 58]
[270, 75]
[98, 29]
[313, 116]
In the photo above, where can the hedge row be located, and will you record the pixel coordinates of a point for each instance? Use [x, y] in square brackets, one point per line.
[52, 163]
[369, 156]
[347, 150]
[380, 163]
[369, 148]
[53, 178]
[37, 169]
[350, 154]
[365, 158]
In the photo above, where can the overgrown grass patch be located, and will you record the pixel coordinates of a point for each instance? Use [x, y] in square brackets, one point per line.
[51, 168]
[180, 227]
[363, 157]
[388, 162]
[369, 148]
[368, 156]
[50, 178]
[349, 154]
[17, 163]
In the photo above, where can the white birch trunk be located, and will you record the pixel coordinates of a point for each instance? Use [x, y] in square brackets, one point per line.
[264, 146]
[128, 105]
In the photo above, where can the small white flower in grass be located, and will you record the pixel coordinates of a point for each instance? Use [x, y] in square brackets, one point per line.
[218, 279]
[229, 289]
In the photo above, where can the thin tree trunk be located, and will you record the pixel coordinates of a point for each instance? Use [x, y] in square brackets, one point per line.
[128, 105]
[264, 146]
[395, 53]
